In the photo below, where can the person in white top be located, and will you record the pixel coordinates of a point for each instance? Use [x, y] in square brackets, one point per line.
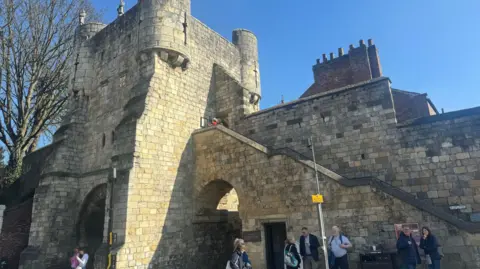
[82, 259]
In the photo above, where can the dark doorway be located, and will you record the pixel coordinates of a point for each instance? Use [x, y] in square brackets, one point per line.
[94, 225]
[90, 223]
[275, 235]
[216, 225]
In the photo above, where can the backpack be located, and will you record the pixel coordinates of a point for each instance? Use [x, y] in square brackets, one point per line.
[289, 258]
[229, 266]
[331, 256]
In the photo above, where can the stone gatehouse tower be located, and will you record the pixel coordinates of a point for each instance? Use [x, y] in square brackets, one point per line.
[140, 87]
[134, 177]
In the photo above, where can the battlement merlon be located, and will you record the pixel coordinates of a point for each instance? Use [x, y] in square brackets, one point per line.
[360, 64]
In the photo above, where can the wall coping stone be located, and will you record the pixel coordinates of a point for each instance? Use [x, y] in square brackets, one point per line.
[474, 111]
[318, 95]
[374, 183]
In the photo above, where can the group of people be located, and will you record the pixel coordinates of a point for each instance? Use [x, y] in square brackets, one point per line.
[79, 259]
[408, 250]
[337, 245]
[308, 254]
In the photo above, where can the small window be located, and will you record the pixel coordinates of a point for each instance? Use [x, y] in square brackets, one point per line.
[113, 137]
[103, 140]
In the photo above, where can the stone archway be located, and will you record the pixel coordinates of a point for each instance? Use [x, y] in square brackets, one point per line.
[217, 222]
[229, 202]
[90, 223]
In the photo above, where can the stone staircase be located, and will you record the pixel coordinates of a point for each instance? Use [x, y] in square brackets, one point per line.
[376, 184]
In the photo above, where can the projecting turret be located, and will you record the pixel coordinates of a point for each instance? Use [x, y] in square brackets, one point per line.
[164, 29]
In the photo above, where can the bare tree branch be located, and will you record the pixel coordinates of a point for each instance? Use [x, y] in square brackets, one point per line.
[36, 43]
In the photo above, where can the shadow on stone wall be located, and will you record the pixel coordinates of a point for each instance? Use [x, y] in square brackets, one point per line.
[200, 237]
[122, 160]
[19, 200]
[195, 233]
[15, 230]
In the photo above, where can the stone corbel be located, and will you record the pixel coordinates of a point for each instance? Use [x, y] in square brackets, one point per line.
[254, 98]
[174, 58]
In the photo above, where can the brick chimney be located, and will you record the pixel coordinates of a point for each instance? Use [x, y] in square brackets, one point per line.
[360, 64]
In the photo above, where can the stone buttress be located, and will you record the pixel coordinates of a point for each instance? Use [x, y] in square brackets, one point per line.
[56, 197]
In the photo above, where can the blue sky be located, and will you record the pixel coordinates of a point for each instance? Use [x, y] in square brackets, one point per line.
[425, 46]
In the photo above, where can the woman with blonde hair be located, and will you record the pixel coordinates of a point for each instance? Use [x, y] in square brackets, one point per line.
[237, 260]
[292, 258]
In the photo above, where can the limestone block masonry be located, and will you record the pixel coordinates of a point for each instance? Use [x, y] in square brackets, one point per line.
[180, 194]
[140, 86]
[275, 186]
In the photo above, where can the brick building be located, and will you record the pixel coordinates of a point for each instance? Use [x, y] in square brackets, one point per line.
[132, 175]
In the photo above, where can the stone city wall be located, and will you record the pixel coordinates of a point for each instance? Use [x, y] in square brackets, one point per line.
[277, 188]
[15, 225]
[356, 135]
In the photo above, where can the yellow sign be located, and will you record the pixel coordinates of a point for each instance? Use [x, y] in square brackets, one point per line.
[317, 198]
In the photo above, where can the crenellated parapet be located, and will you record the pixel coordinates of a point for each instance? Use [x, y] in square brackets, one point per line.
[361, 64]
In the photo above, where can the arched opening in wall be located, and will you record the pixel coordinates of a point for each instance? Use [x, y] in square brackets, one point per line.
[217, 223]
[90, 223]
[229, 202]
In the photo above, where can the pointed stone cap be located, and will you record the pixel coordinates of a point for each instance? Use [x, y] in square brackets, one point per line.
[82, 16]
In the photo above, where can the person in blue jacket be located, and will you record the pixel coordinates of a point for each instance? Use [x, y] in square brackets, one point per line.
[407, 249]
[246, 260]
[429, 244]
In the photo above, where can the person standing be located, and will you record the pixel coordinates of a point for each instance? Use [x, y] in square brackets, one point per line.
[82, 259]
[429, 244]
[236, 262]
[407, 249]
[73, 260]
[291, 249]
[309, 249]
[339, 244]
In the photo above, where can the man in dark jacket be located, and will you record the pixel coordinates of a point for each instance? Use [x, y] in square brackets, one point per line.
[407, 249]
[309, 249]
